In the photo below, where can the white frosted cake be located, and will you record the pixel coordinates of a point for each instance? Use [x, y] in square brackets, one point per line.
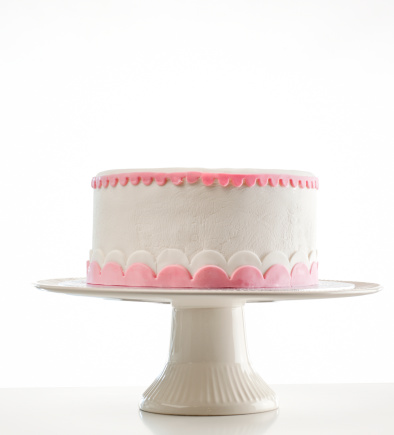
[204, 228]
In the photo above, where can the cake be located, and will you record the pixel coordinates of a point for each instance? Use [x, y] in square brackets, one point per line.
[204, 228]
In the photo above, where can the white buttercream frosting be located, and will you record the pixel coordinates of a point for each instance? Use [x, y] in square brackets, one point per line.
[195, 225]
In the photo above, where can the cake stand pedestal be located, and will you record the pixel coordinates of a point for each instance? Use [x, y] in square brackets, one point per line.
[208, 371]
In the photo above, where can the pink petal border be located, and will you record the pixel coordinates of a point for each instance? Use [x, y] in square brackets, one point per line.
[208, 179]
[176, 276]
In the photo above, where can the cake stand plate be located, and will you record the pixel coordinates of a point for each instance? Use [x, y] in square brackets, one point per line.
[208, 371]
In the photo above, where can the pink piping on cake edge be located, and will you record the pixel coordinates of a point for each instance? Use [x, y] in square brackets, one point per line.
[177, 276]
[208, 179]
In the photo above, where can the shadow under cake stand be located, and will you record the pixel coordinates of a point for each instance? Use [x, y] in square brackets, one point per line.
[208, 371]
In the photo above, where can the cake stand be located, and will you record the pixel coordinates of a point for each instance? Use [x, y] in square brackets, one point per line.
[208, 371]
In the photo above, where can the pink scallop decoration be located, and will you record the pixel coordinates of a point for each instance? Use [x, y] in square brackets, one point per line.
[93, 273]
[193, 177]
[300, 275]
[161, 179]
[277, 276]
[262, 180]
[176, 178]
[111, 273]
[123, 179]
[113, 181]
[105, 181]
[224, 180]
[208, 179]
[176, 276]
[211, 277]
[247, 277]
[314, 273]
[250, 180]
[134, 179]
[237, 180]
[139, 275]
[147, 180]
[273, 181]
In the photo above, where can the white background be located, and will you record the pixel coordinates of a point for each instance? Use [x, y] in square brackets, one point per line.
[87, 86]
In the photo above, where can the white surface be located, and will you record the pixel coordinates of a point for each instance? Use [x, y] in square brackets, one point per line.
[88, 85]
[347, 409]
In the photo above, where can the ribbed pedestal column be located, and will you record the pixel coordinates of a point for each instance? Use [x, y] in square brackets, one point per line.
[208, 372]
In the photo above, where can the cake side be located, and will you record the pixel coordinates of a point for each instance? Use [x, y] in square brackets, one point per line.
[193, 228]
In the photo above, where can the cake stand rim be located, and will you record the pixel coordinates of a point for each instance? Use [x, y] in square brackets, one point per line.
[327, 289]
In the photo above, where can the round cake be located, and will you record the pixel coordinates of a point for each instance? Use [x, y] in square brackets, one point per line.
[204, 228]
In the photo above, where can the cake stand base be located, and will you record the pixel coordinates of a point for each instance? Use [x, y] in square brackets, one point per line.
[208, 372]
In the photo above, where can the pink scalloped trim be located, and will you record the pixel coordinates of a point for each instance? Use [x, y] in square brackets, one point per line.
[208, 179]
[176, 276]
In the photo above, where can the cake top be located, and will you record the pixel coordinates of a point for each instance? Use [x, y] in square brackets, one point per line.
[240, 171]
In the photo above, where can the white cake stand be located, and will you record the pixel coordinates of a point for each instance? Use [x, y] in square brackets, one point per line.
[208, 371]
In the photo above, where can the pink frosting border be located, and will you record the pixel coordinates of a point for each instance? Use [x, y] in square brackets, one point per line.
[208, 179]
[176, 276]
